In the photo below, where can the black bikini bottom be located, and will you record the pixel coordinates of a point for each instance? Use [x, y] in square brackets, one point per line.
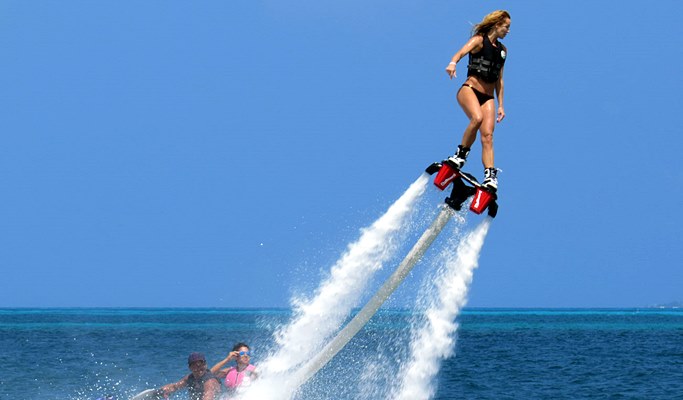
[482, 97]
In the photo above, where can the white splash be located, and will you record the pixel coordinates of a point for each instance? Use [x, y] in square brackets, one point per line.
[434, 340]
[315, 320]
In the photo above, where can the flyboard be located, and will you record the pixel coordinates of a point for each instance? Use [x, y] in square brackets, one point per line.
[447, 174]
[149, 394]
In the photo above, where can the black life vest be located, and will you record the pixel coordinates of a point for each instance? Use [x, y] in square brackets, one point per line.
[195, 386]
[487, 63]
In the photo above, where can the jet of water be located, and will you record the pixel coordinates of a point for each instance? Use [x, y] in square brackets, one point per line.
[434, 340]
[315, 320]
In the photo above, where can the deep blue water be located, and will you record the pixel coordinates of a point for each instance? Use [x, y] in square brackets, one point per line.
[500, 354]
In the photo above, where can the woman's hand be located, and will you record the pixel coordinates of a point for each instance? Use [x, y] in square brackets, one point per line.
[501, 114]
[450, 69]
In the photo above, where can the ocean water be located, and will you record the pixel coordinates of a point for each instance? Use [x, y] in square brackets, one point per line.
[82, 354]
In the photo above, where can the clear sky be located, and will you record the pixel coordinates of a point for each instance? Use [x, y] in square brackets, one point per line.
[168, 153]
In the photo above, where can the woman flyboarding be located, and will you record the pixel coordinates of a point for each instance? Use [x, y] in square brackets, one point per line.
[476, 96]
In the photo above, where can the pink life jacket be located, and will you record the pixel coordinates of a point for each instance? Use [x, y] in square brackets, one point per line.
[234, 379]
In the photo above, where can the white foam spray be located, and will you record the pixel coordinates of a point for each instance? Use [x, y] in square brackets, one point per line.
[315, 320]
[434, 340]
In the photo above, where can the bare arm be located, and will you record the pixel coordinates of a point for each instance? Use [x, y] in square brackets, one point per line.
[500, 89]
[172, 387]
[216, 369]
[211, 389]
[473, 45]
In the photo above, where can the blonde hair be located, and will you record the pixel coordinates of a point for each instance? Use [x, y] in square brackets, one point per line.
[489, 21]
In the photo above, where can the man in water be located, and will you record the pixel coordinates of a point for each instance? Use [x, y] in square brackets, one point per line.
[201, 384]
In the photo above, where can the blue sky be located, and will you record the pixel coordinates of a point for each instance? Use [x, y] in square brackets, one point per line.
[167, 153]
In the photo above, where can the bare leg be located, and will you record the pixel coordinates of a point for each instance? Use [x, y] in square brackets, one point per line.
[470, 105]
[486, 131]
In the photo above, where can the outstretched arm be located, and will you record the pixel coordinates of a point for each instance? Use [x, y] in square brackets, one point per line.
[172, 387]
[472, 45]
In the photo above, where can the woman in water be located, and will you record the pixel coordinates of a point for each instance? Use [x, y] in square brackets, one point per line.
[476, 96]
[239, 375]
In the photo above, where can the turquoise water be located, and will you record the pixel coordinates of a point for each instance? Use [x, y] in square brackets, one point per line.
[499, 353]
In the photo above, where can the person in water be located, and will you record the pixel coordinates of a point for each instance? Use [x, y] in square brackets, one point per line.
[487, 57]
[239, 375]
[201, 384]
